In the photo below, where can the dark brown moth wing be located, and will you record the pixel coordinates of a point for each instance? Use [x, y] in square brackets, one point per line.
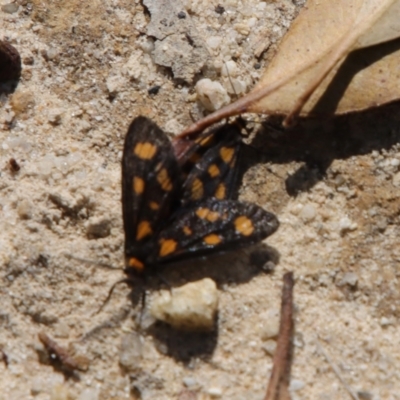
[151, 183]
[212, 226]
[214, 174]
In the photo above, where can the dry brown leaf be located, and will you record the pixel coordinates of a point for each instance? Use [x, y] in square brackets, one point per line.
[313, 71]
[312, 52]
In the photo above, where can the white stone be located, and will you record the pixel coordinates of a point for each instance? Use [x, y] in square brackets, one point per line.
[190, 307]
[146, 44]
[270, 347]
[350, 278]
[115, 84]
[270, 328]
[396, 180]
[131, 352]
[229, 68]
[54, 116]
[215, 392]
[189, 381]
[236, 86]
[346, 224]
[133, 67]
[296, 384]
[308, 213]
[24, 209]
[89, 394]
[213, 42]
[212, 95]
[384, 321]
[242, 28]
[59, 392]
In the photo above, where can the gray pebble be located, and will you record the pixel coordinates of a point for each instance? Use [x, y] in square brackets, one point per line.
[10, 8]
[98, 228]
[131, 351]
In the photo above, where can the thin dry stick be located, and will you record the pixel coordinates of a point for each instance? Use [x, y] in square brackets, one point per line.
[279, 380]
[336, 370]
[60, 353]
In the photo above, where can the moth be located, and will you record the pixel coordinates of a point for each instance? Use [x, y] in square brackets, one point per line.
[180, 209]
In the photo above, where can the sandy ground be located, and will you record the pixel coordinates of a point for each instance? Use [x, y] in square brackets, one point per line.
[87, 68]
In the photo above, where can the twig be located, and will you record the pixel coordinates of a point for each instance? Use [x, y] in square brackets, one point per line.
[336, 371]
[279, 380]
[60, 354]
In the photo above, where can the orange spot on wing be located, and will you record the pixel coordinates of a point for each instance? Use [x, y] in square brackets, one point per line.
[226, 154]
[154, 206]
[205, 213]
[220, 192]
[197, 189]
[143, 230]
[135, 264]
[244, 225]
[206, 141]
[187, 231]
[138, 185]
[145, 150]
[212, 239]
[164, 180]
[167, 246]
[213, 170]
[202, 212]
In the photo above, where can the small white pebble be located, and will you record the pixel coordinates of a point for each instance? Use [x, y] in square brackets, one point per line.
[36, 386]
[215, 392]
[346, 225]
[350, 278]
[131, 351]
[189, 381]
[133, 67]
[24, 209]
[243, 29]
[296, 384]
[296, 209]
[270, 347]
[308, 213]
[115, 84]
[213, 42]
[190, 307]
[54, 116]
[270, 328]
[396, 180]
[211, 94]
[237, 86]
[252, 22]
[89, 394]
[229, 69]
[60, 392]
[146, 44]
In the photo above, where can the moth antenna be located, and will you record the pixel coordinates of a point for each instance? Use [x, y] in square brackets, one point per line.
[110, 292]
[91, 262]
